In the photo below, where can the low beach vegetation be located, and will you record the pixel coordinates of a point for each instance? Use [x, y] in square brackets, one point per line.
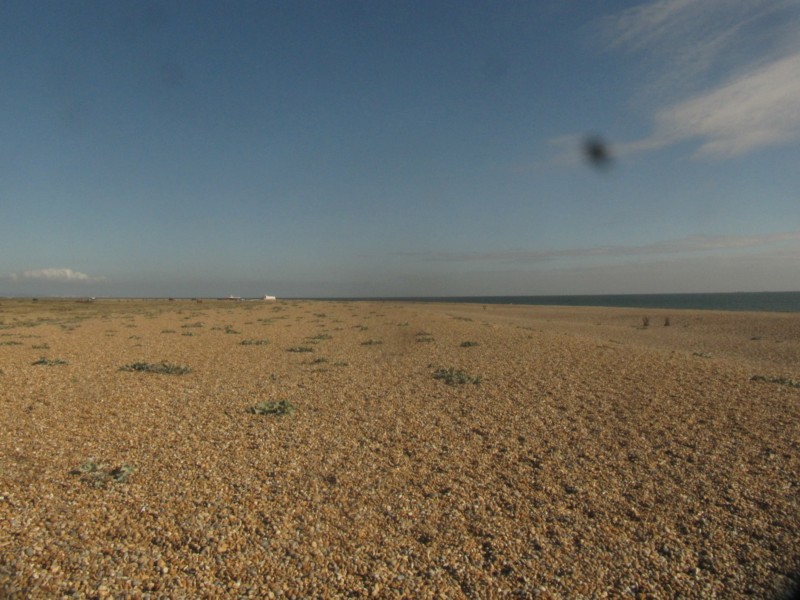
[98, 475]
[320, 337]
[162, 368]
[49, 362]
[779, 380]
[254, 342]
[273, 407]
[453, 376]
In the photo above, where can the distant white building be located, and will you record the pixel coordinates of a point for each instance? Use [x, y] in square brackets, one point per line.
[269, 298]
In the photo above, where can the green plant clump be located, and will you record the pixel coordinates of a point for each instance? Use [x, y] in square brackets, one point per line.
[780, 380]
[280, 408]
[160, 368]
[453, 376]
[468, 344]
[98, 475]
[49, 362]
[254, 342]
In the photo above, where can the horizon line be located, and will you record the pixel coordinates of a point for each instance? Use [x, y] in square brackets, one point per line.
[409, 297]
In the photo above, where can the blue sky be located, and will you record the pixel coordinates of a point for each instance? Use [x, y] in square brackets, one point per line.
[398, 148]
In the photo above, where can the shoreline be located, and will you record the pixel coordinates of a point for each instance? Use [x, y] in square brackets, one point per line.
[761, 301]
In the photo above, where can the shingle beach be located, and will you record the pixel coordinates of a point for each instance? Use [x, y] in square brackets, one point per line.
[401, 450]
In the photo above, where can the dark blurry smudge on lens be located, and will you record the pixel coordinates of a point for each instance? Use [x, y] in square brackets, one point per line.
[597, 152]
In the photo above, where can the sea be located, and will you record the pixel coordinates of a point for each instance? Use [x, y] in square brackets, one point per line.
[736, 301]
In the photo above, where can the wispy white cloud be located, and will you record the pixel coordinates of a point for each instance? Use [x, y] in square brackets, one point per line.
[681, 42]
[759, 108]
[691, 244]
[61, 275]
[724, 73]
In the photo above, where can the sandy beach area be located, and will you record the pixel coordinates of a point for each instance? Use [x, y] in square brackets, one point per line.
[335, 449]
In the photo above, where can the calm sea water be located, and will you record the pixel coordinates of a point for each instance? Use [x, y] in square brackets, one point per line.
[757, 301]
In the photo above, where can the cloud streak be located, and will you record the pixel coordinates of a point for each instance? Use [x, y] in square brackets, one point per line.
[723, 73]
[758, 109]
[691, 244]
[59, 275]
[682, 41]
[766, 270]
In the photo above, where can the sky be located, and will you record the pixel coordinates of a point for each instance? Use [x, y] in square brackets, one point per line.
[414, 148]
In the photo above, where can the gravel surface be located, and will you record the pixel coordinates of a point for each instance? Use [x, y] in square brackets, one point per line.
[563, 453]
